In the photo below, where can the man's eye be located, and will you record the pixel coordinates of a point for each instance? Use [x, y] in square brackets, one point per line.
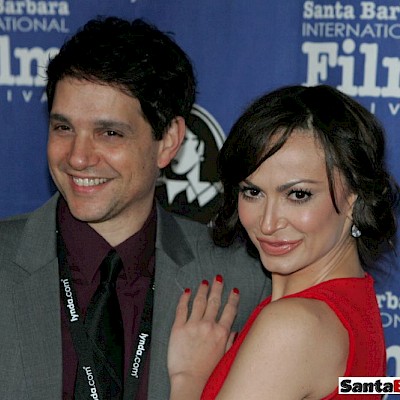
[61, 128]
[111, 133]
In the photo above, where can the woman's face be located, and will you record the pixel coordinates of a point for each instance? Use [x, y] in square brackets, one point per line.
[286, 208]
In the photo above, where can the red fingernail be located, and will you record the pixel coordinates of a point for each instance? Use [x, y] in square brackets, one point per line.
[187, 290]
[219, 279]
[205, 282]
[235, 290]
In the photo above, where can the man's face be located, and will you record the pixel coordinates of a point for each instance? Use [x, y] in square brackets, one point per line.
[102, 155]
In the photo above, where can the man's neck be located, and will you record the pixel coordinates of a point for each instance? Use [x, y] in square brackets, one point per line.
[117, 230]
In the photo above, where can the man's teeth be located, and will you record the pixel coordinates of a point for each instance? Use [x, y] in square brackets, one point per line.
[89, 182]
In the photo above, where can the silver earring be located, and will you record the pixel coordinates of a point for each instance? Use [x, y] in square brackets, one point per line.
[355, 232]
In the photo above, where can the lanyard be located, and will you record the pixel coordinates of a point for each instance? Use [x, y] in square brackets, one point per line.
[81, 342]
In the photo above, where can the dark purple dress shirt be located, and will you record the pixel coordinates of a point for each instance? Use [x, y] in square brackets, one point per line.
[85, 252]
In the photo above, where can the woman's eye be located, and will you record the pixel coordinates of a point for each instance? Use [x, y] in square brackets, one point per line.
[253, 192]
[250, 192]
[300, 195]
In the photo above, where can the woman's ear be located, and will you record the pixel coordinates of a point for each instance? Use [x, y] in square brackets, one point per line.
[351, 199]
[171, 141]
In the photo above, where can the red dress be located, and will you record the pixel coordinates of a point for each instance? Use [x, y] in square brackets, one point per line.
[354, 302]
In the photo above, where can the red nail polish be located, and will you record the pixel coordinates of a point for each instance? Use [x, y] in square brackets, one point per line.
[235, 290]
[204, 282]
[187, 290]
[218, 278]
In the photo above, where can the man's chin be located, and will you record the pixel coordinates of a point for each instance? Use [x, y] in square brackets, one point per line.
[89, 216]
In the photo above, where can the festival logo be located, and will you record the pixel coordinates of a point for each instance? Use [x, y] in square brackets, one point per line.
[368, 385]
[389, 306]
[189, 185]
[23, 60]
[351, 45]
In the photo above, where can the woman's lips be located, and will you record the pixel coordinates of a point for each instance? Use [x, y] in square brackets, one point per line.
[278, 248]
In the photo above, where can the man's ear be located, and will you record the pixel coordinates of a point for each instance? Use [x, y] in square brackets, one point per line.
[171, 142]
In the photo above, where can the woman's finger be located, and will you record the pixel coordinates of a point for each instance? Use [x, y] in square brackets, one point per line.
[230, 310]
[181, 314]
[214, 299]
[200, 301]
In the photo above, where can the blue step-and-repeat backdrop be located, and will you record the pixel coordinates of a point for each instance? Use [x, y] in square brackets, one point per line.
[240, 50]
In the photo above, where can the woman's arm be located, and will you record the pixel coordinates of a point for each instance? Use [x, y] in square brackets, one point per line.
[296, 349]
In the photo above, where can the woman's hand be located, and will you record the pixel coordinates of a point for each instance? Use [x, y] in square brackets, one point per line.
[199, 341]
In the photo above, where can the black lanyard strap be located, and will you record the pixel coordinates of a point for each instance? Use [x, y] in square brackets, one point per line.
[141, 350]
[81, 342]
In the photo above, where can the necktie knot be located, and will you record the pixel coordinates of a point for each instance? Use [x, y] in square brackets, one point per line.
[110, 268]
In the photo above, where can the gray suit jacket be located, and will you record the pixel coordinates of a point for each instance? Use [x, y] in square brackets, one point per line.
[30, 333]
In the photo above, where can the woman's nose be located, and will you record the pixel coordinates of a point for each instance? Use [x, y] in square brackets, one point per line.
[272, 218]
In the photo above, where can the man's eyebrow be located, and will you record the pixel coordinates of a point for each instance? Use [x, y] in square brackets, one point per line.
[102, 123]
[112, 124]
[58, 117]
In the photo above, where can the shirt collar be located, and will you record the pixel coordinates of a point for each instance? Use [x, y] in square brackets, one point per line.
[86, 248]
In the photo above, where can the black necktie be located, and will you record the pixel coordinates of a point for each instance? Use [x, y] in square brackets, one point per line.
[104, 328]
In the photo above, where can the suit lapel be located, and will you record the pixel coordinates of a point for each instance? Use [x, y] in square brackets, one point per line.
[38, 324]
[171, 240]
[173, 253]
[37, 305]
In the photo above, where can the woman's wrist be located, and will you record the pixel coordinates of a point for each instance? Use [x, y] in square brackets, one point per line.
[186, 386]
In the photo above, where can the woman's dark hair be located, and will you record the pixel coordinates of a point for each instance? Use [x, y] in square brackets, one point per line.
[135, 57]
[353, 142]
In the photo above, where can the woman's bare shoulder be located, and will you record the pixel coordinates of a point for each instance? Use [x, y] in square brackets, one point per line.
[292, 337]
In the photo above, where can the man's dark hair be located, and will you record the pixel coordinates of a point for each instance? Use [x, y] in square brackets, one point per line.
[135, 57]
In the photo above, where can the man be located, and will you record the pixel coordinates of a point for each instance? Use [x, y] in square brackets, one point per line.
[118, 95]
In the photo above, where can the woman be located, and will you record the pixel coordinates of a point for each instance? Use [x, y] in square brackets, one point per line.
[305, 186]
